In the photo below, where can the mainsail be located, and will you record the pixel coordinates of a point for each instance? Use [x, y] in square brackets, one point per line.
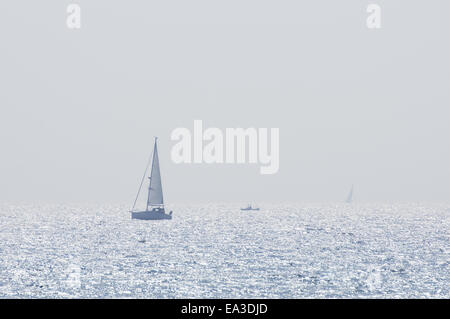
[350, 196]
[155, 194]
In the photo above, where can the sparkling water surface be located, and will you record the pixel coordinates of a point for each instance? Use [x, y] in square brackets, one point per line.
[217, 251]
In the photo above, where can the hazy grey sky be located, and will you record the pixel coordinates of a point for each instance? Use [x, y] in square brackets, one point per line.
[79, 108]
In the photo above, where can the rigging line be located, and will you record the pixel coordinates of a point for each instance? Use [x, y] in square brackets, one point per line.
[142, 181]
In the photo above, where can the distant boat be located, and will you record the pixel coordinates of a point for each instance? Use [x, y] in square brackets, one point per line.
[249, 207]
[155, 203]
[350, 196]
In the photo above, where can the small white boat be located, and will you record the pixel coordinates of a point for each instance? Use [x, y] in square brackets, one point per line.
[155, 203]
[249, 207]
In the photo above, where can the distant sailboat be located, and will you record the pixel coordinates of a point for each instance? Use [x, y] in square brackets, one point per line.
[155, 203]
[249, 207]
[350, 196]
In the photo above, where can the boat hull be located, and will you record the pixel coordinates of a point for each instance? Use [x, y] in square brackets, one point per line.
[249, 209]
[151, 215]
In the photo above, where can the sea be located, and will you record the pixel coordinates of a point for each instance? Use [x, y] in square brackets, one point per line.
[218, 251]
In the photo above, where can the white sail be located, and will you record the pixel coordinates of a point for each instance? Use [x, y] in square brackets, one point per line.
[155, 194]
[350, 196]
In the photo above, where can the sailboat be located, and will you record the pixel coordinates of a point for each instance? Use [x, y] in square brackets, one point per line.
[350, 196]
[249, 207]
[155, 203]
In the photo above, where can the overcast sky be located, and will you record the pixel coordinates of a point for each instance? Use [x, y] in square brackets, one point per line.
[79, 108]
